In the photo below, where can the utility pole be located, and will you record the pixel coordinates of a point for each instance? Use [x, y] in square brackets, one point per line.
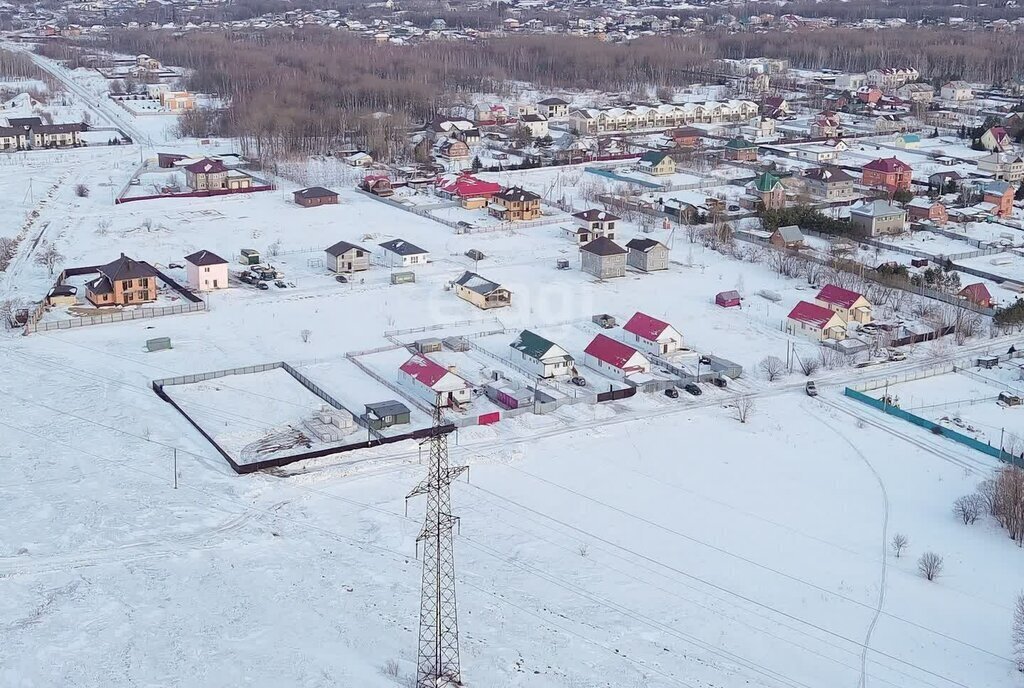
[437, 661]
[175, 468]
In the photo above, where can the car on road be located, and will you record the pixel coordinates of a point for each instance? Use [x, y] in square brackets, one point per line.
[811, 388]
[692, 388]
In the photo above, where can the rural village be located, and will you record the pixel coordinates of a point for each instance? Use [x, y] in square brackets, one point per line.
[737, 368]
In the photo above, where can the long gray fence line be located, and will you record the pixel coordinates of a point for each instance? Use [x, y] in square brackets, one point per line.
[978, 377]
[120, 316]
[439, 326]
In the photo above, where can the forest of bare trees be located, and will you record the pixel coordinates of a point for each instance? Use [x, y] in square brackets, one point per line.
[308, 90]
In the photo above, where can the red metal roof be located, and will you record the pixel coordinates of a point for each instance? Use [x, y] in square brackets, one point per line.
[976, 293]
[645, 326]
[888, 165]
[206, 166]
[467, 186]
[610, 351]
[424, 370]
[811, 313]
[830, 293]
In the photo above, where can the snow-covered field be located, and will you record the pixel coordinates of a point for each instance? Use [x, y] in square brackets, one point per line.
[647, 542]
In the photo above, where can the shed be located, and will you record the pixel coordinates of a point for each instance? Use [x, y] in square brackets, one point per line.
[249, 256]
[158, 344]
[62, 295]
[427, 346]
[728, 299]
[404, 277]
[384, 414]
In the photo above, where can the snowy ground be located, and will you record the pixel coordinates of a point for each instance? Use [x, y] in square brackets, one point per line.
[650, 542]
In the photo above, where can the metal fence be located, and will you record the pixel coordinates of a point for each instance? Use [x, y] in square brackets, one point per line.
[999, 452]
[119, 316]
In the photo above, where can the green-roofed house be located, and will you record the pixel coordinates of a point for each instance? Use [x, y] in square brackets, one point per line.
[657, 163]
[768, 190]
[540, 356]
[741, 149]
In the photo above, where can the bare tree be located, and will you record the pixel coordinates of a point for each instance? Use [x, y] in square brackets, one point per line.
[930, 565]
[744, 408]
[1018, 632]
[988, 493]
[772, 367]
[49, 258]
[81, 190]
[968, 508]
[8, 247]
[899, 543]
[1010, 502]
[808, 365]
[305, 334]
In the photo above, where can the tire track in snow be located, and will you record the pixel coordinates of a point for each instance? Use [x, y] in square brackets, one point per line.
[862, 683]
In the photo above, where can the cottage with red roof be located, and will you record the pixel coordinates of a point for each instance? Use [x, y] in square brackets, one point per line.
[978, 294]
[850, 305]
[471, 192]
[997, 140]
[434, 383]
[377, 184]
[614, 358]
[652, 335]
[891, 173]
[814, 321]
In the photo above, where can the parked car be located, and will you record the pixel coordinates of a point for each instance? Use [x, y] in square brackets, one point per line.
[672, 393]
[811, 389]
[247, 278]
[578, 380]
[896, 355]
[280, 284]
[733, 208]
[262, 285]
[135, 182]
[341, 278]
[719, 382]
[692, 389]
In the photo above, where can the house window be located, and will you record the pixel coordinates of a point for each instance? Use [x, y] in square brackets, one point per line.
[214, 284]
[206, 269]
[144, 296]
[127, 284]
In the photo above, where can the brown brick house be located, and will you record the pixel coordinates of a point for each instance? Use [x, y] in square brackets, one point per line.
[515, 203]
[891, 173]
[124, 282]
[314, 196]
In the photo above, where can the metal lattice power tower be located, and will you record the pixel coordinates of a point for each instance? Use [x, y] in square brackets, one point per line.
[437, 663]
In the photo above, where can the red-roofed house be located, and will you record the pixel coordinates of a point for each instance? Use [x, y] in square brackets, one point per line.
[206, 174]
[652, 335]
[470, 191]
[614, 358]
[434, 383]
[377, 184]
[996, 139]
[891, 173]
[977, 293]
[814, 321]
[850, 305]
